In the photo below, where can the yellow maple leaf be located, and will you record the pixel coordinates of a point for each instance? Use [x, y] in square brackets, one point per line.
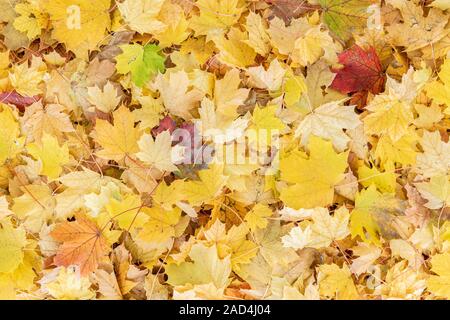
[141, 15]
[384, 181]
[35, 206]
[159, 153]
[160, 225]
[10, 143]
[390, 117]
[336, 283]
[440, 91]
[313, 178]
[51, 119]
[227, 94]
[258, 38]
[403, 151]
[68, 285]
[206, 267]
[79, 24]
[51, 154]
[208, 187]
[176, 94]
[233, 49]
[106, 99]
[266, 119]
[127, 212]
[215, 15]
[118, 140]
[440, 284]
[176, 31]
[257, 217]
[12, 242]
[270, 79]
[31, 19]
[314, 44]
[326, 228]
[436, 191]
[26, 80]
[362, 222]
[435, 159]
[168, 195]
[283, 37]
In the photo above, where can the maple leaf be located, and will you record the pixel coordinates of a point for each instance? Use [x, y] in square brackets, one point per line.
[52, 156]
[362, 223]
[127, 211]
[233, 49]
[440, 91]
[435, 160]
[68, 285]
[440, 284]
[326, 228]
[436, 191]
[417, 31]
[83, 244]
[12, 242]
[176, 95]
[14, 98]
[206, 267]
[80, 24]
[141, 61]
[265, 120]
[345, 17]
[215, 15]
[159, 153]
[258, 38]
[207, 188]
[26, 80]
[160, 225]
[257, 217]
[288, 9]
[141, 15]
[314, 44]
[374, 216]
[177, 29]
[106, 99]
[328, 122]
[315, 177]
[368, 254]
[10, 142]
[361, 70]
[390, 117]
[335, 282]
[227, 94]
[118, 140]
[52, 120]
[270, 79]
[297, 238]
[31, 19]
[150, 114]
[35, 206]
[384, 181]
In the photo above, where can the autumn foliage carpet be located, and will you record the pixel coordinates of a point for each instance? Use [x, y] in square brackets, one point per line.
[115, 116]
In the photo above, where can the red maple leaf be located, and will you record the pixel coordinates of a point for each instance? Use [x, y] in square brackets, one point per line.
[165, 124]
[362, 71]
[21, 102]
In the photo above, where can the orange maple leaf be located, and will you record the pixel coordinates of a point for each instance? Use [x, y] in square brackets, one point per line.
[83, 244]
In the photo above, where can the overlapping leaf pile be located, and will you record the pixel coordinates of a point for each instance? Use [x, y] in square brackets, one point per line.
[352, 203]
